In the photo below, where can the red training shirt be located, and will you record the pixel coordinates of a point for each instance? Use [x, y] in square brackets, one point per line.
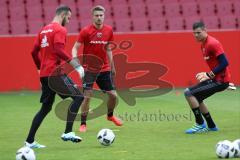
[95, 41]
[211, 49]
[50, 44]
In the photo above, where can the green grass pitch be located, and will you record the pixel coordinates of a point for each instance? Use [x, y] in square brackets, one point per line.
[153, 129]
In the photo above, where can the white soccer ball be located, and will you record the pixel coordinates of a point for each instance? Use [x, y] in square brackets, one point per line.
[225, 149]
[25, 153]
[106, 137]
[236, 145]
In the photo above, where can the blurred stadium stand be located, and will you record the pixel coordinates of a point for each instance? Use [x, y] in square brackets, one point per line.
[27, 16]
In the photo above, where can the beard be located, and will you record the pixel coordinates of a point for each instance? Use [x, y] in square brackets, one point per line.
[64, 22]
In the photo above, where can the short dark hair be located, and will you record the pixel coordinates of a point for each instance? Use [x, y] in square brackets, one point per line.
[98, 8]
[62, 8]
[199, 24]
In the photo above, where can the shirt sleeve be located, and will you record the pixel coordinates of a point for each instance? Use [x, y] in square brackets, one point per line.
[81, 36]
[111, 38]
[35, 53]
[217, 48]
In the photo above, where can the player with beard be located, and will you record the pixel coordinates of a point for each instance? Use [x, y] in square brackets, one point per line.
[48, 54]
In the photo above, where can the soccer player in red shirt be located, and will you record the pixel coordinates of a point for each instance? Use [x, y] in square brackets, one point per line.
[216, 80]
[98, 63]
[48, 54]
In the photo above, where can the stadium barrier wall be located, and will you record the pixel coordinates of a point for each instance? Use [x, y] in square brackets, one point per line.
[178, 51]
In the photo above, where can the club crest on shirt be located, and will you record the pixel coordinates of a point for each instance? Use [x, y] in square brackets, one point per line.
[99, 34]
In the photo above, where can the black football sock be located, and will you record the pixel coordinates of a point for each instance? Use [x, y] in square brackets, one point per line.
[37, 120]
[72, 113]
[83, 119]
[209, 120]
[110, 114]
[198, 115]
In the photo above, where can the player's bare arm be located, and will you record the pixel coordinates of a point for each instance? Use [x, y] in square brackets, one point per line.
[111, 61]
[75, 48]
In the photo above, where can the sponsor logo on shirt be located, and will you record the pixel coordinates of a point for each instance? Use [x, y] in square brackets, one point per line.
[46, 31]
[44, 42]
[98, 42]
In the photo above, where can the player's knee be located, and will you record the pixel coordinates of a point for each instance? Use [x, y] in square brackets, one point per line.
[47, 107]
[187, 92]
[112, 95]
[88, 94]
[78, 99]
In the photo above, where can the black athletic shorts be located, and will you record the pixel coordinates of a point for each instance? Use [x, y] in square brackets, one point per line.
[103, 80]
[61, 85]
[207, 88]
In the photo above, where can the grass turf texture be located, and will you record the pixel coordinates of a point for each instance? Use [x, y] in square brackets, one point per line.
[153, 129]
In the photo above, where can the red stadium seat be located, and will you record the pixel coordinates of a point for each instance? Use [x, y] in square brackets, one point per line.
[3, 12]
[229, 22]
[173, 10]
[207, 8]
[117, 2]
[102, 2]
[237, 7]
[73, 26]
[190, 9]
[17, 12]
[169, 1]
[109, 21]
[85, 12]
[50, 3]
[138, 10]
[4, 28]
[70, 3]
[134, 2]
[35, 26]
[108, 11]
[148, 2]
[18, 27]
[225, 8]
[141, 24]
[158, 24]
[49, 13]
[14, 3]
[176, 23]
[33, 3]
[155, 10]
[84, 3]
[212, 22]
[34, 10]
[121, 11]
[85, 22]
[123, 25]
[124, 15]
[34, 13]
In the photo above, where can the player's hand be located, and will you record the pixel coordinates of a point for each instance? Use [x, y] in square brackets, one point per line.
[80, 71]
[202, 76]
